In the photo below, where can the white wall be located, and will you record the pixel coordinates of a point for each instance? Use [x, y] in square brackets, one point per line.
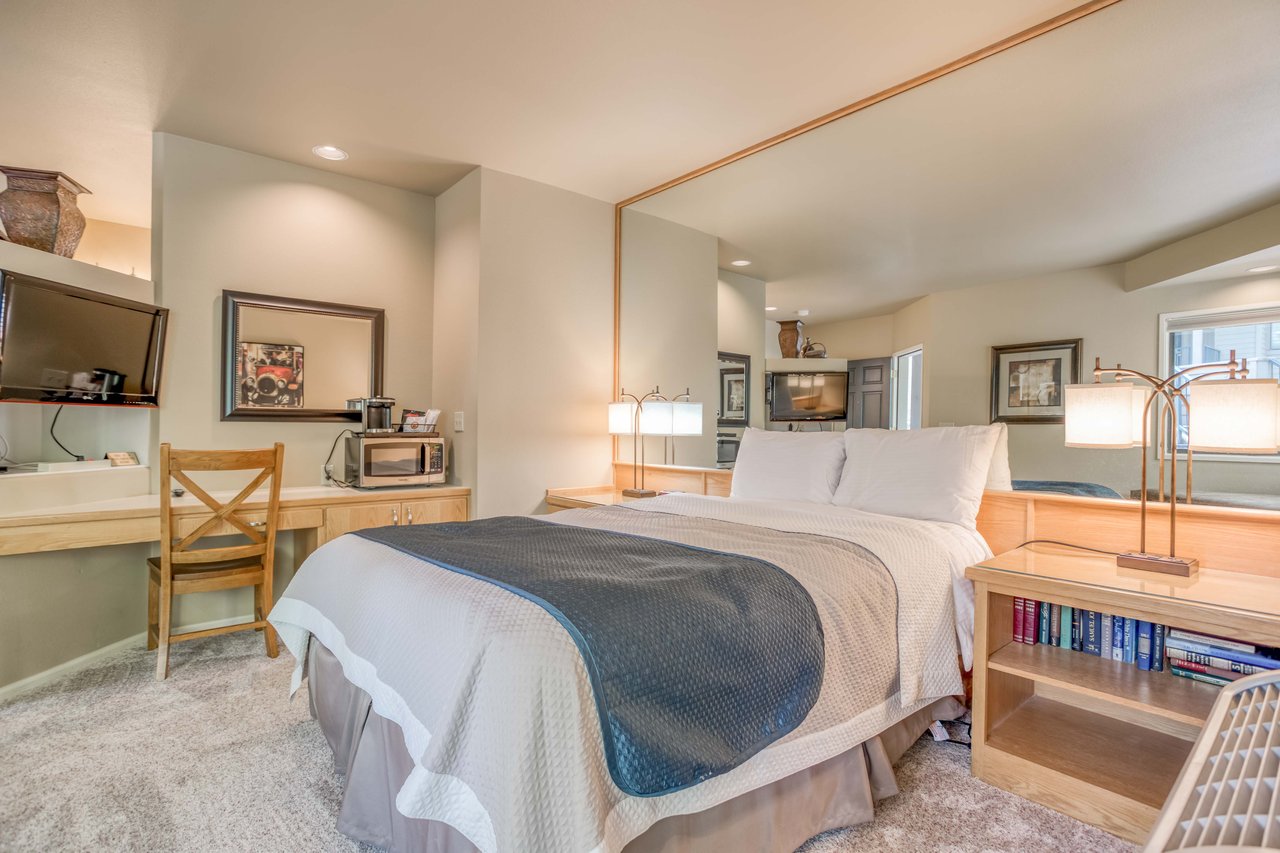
[862, 337]
[739, 306]
[958, 329]
[113, 246]
[669, 320]
[227, 220]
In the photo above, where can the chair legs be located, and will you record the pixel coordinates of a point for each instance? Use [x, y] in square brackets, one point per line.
[153, 612]
[262, 600]
[164, 626]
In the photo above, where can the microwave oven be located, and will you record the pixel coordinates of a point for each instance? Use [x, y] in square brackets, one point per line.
[396, 459]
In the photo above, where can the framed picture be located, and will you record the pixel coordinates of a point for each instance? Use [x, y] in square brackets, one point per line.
[1027, 381]
[269, 376]
[735, 389]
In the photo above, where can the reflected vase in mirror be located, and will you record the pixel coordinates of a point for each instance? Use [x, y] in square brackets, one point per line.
[789, 337]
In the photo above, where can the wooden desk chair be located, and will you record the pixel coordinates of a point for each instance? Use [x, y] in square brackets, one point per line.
[179, 569]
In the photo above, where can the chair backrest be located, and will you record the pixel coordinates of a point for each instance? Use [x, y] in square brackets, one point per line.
[176, 465]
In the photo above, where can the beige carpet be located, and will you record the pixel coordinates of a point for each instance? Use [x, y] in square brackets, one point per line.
[217, 758]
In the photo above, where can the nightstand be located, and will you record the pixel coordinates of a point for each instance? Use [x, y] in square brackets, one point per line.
[1097, 739]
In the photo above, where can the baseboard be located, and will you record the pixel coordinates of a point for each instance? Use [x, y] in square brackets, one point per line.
[31, 682]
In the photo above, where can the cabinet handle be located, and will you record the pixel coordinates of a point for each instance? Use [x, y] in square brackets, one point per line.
[410, 512]
[395, 516]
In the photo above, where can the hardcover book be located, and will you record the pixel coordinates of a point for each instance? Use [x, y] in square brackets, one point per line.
[1130, 640]
[1091, 642]
[1143, 658]
[1046, 612]
[1019, 614]
[1105, 628]
[1200, 676]
[1192, 666]
[1250, 658]
[1030, 621]
[1209, 639]
[1176, 654]
[1055, 624]
[1157, 647]
[1064, 637]
[1077, 630]
[1117, 638]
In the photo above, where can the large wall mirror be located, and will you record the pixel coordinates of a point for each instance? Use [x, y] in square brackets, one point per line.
[297, 359]
[1022, 199]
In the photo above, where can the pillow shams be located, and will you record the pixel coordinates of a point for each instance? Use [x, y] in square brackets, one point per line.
[933, 474]
[788, 466]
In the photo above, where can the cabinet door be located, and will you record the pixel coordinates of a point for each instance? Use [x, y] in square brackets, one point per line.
[433, 511]
[344, 519]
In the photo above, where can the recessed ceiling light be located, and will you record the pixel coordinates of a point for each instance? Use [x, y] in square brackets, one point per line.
[771, 308]
[803, 312]
[329, 152]
[741, 263]
[1267, 268]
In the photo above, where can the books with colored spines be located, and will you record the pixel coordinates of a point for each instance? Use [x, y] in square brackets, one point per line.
[1030, 621]
[1130, 640]
[1077, 635]
[1104, 630]
[1064, 634]
[1117, 638]
[1246, 663]
[1019, 613]
[1090, 627]
[1191, 666]
[1046, 611]
[1143, 658]
[1211, 640]
[1200, 676]
[1055, 624]
[1157, 647]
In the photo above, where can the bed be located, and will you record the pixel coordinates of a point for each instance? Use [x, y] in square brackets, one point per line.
[463, 717]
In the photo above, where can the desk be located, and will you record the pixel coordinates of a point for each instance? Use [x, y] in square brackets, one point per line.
[315, 514]
[586, 496]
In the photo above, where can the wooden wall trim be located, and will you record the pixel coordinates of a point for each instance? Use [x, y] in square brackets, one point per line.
[1239, 540]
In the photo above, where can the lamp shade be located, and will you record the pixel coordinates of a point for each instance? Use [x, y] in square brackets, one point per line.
[1141, 394]
[622, 418]
[1234, 416]
[686, 419]
[1100, 415]
[656, 417]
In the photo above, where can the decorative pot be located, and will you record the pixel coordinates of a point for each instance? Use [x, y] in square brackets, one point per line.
[789, 337]
[38, 209]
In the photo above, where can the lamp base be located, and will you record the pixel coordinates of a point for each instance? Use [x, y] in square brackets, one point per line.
[639, 493]
[1179, 566]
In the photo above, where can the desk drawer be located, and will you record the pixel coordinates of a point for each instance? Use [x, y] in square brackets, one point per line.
[290, 519]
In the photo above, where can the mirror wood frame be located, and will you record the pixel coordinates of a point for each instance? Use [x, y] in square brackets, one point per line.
[990, 50]
[233, 301]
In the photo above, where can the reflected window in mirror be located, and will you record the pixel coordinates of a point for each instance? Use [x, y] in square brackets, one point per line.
[1190, 339]
[908, 389]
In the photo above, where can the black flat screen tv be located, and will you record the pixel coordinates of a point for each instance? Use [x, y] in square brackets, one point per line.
[64, 344]
[808, 396]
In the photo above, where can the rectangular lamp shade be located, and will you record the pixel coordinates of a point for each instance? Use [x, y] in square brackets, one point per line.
[686, 419]
[656, 417]
[1234, 416]
[622, 418]
[1141, 394]
[1101, 415]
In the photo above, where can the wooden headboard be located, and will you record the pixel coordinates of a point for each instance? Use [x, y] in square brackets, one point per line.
[1242, 540]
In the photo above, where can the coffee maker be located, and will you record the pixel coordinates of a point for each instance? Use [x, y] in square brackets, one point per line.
[375, 417]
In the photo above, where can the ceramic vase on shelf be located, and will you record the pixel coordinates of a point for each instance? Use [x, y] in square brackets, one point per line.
[789, 337]
[38, 209]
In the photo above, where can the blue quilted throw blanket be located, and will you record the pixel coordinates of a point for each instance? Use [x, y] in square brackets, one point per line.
[698, 659]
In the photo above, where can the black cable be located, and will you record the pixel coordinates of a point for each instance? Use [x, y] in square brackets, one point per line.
[75, 456]
[1069, 545]
[329, 459]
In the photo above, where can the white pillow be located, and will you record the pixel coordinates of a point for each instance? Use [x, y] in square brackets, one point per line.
[788, 466]
[1000, 476]
[933, 474]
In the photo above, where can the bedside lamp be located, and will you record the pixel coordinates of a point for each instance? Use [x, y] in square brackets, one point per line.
[1232, 414]
[630, 416]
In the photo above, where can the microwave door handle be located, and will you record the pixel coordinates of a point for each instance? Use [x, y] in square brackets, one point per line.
[422, 459]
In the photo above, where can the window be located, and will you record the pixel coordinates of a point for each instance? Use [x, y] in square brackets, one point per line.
[1193, 339]
[908, 383]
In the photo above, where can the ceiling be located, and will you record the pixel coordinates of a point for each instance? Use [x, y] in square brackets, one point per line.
[603, 98]
[1139, 125]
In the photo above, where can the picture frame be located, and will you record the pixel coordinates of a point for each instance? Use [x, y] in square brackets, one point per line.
[1028, 381]
[735, 389]
[343, 347]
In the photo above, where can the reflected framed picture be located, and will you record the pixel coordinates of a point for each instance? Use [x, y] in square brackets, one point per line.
[1028, 381]
[735, 389]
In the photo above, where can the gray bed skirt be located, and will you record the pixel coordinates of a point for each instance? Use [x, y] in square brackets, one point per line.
[369, 751]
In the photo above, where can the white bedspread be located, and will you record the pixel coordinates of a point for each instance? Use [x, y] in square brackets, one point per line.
[495, 704]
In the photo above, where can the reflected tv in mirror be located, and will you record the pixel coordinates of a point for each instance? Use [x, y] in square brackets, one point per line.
[67, 345]
[808, 396]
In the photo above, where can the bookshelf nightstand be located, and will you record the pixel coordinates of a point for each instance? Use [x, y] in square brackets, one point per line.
[1097, 739]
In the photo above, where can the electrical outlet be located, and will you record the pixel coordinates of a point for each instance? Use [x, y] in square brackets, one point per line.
[458, 422]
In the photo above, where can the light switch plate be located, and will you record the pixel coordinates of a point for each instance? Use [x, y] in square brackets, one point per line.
[458, 422]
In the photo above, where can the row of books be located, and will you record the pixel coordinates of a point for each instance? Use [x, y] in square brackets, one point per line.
[1148, 645]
